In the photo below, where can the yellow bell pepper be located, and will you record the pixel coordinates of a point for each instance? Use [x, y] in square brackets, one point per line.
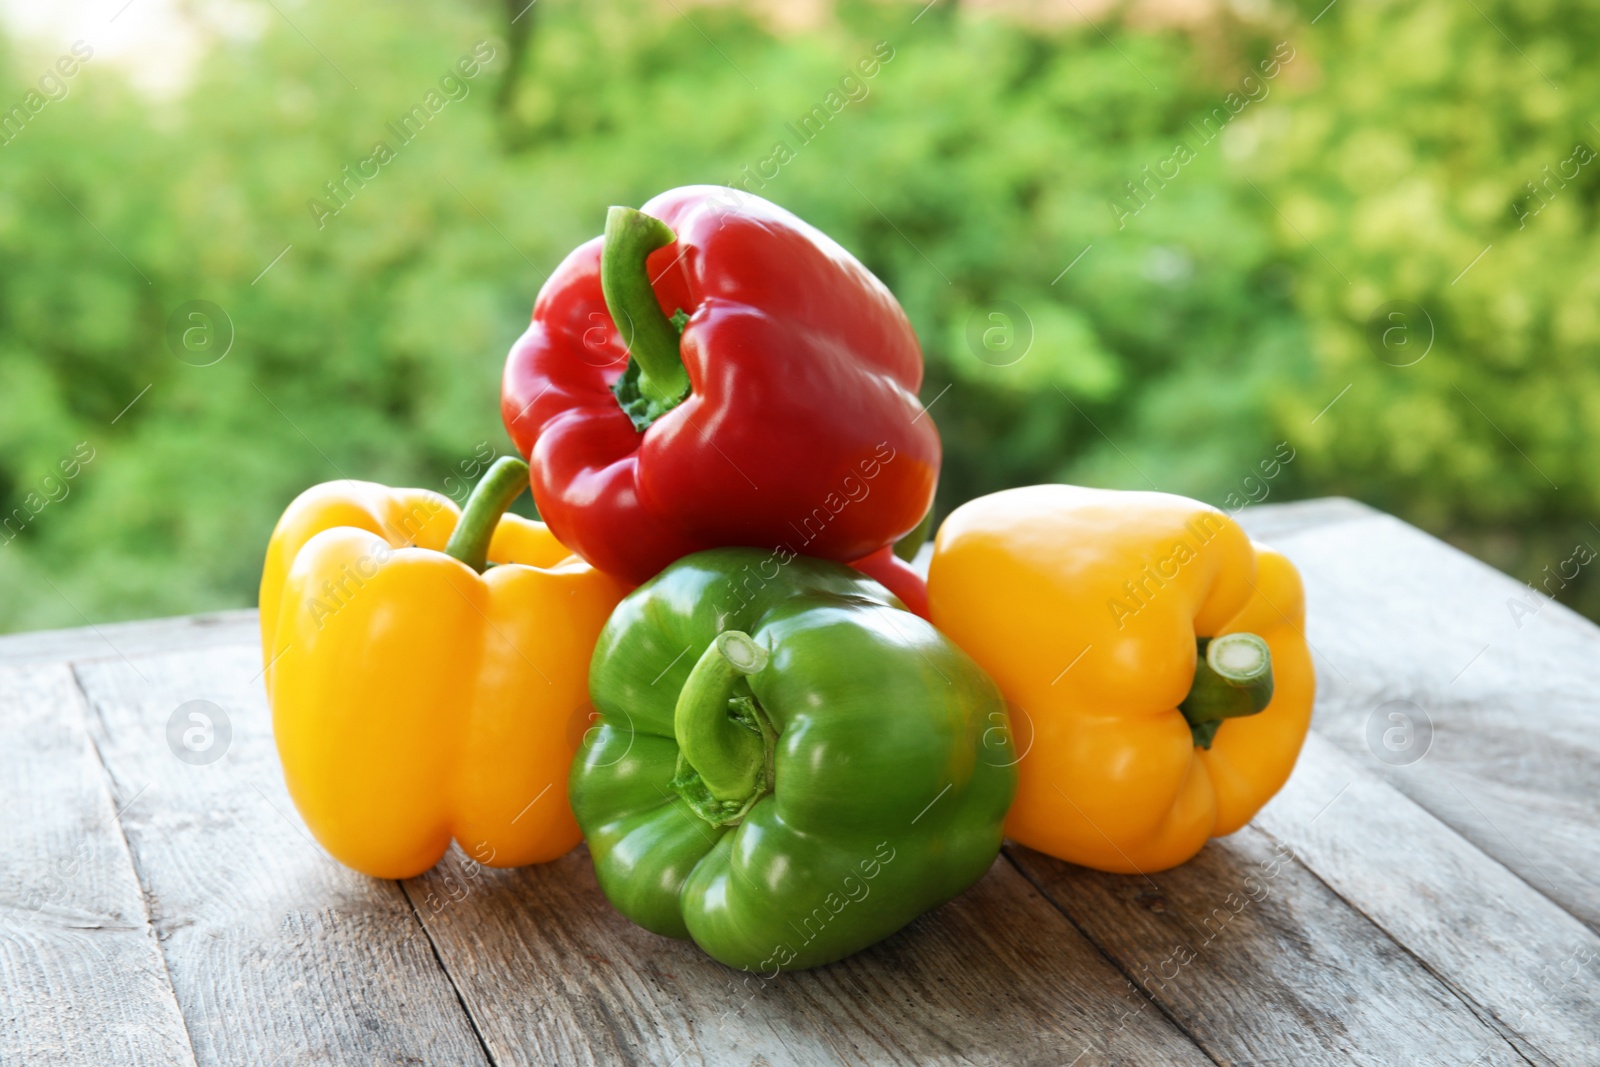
[1101, 615]
[417, 697]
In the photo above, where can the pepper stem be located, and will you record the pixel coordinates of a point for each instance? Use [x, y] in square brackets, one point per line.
[503, 483]
[1232, 678]
[651, 339]
[725, 741]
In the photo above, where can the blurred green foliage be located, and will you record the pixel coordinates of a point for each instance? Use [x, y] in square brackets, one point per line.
[1437, 134]
[1188, 338]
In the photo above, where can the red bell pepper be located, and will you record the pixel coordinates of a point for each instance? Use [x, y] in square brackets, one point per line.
[770, 398]
[897, 576]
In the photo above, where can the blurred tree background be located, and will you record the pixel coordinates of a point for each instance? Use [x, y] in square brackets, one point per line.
[1296, 171]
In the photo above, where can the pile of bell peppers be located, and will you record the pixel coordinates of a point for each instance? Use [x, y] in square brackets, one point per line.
[711, 659]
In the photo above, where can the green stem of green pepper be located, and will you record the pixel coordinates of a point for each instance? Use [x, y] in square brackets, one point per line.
[503, 483]
[730, 757]
[651, 338]
[1232, 678]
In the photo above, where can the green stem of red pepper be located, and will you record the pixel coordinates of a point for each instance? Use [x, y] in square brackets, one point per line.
[650, 336]
[1232, 678]
[724, 739]
[503, 483]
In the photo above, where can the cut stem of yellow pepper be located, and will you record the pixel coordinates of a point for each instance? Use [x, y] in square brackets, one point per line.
[1232, 678]
[1155, 662]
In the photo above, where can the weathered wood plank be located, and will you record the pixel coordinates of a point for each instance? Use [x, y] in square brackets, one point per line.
[1469, 693]
[115, 640]
[553, 975]
[1272, 522]
[277, 953]
[81, 976]
[1532, 966]
[1261, 963]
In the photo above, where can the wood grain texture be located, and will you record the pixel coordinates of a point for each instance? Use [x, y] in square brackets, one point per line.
[1273, 522]
[553, 975]
[1501, 944]
[115, 640]
[1433, 912]
[81, 977]
[278, 954]
[1261, 963]
[1498, 733]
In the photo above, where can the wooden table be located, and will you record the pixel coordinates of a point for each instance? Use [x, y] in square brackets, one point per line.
[1423, 891]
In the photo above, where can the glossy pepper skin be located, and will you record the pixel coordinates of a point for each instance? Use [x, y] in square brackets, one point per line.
[877, 763]
[415, 700]
[1086, 606]
[892, 572]
[801, 424]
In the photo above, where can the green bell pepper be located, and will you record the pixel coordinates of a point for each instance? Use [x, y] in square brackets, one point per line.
[786, 766]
